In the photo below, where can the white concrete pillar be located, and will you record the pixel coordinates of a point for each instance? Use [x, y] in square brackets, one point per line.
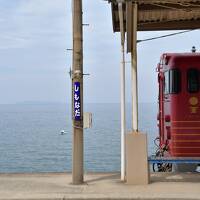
[137, 169]
[134, 80]
[122, 89]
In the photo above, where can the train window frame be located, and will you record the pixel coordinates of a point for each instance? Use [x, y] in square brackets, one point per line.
[189, 84]
[166, 83]
[172, 83]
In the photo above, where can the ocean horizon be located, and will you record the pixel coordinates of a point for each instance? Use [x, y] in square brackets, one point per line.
[30, 139]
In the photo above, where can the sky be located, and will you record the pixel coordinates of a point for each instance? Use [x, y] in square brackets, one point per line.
[34, 62]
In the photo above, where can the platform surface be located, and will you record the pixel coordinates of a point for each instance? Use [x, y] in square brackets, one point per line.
[57, 186]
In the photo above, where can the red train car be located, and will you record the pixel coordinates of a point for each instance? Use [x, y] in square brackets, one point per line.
[179, 105]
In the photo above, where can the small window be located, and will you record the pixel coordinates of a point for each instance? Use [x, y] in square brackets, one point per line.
[174, 81]
[193, 80]
[166, 86]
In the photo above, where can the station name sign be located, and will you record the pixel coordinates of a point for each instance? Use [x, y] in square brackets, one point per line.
[77, 101]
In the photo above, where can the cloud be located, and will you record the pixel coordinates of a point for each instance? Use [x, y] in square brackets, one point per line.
[13, 42]
[34, 35]
[38, 20]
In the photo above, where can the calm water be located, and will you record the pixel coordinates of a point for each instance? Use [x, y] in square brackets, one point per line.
[30, 139]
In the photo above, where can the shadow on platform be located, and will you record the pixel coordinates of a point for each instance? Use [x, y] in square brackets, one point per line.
[175, 177]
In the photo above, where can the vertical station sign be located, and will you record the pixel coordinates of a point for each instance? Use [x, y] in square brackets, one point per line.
[77, 101]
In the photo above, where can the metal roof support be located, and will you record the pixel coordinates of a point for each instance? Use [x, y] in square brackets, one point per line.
[123, 106]
[134, 70]
[129, 23]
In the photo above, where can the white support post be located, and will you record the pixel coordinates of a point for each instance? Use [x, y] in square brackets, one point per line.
[123, 104]
[123, 116]
[134, 72]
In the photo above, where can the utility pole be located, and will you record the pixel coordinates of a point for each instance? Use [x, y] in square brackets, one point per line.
[77, 94]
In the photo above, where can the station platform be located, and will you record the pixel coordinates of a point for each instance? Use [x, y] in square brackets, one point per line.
[57, 186]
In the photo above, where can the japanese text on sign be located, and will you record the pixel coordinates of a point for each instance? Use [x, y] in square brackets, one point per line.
[77, 101]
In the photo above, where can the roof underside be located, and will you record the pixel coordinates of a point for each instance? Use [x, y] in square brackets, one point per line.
[156, 15]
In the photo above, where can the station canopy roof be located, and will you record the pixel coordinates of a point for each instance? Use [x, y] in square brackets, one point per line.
[156, 15]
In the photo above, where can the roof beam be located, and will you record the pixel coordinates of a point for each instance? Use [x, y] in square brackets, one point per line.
[159, 1]
[174, 25]
[168, 15]
[153, 17]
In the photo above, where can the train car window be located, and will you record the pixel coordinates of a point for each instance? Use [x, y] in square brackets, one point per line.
[193, 80]
[166, 85]
[174, 81]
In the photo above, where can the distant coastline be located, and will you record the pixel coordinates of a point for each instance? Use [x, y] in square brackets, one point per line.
[67, 103]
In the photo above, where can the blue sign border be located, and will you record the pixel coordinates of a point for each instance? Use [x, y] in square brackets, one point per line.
[77, 101]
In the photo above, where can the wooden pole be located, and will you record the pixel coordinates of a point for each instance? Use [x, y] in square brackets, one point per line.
[77, 94]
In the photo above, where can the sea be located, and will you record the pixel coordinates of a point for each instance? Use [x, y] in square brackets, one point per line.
[31, 139]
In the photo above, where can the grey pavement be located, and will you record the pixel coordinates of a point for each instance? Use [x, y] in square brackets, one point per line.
[57, 186]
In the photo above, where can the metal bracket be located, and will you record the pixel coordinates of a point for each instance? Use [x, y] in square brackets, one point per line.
[76, 73]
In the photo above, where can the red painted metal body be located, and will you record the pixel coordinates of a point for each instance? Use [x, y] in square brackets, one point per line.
[179, 106]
